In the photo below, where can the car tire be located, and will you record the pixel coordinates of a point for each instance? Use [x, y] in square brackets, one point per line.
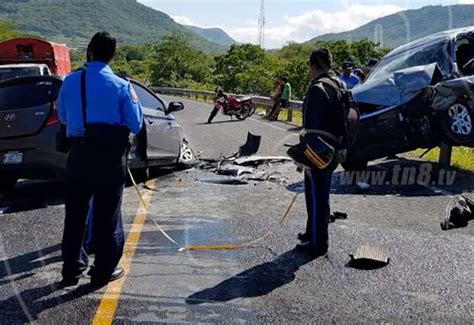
[7, 183]
[352, 165]
[187, 158]
[458, 123]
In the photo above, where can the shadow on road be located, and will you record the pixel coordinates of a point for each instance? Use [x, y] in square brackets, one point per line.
[399, 177]
[27, 305]
[219, 122]
[33, 195]
[30, 261]
[255, 282]
[24, 306]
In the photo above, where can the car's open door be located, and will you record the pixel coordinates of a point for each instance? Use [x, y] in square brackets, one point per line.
[163, 136]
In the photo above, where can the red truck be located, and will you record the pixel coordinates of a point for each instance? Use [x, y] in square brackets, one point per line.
[33, 57]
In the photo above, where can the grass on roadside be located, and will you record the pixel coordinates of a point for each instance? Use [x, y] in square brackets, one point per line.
[462, 158]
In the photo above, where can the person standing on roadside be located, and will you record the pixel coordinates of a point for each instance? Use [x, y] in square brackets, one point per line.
[322, 111]
[276, 98]
[348, 76]
[284, 99]
[99, 109]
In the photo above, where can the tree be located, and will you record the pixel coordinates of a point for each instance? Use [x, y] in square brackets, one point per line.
[7, 31]
[238, 60]
[176, 62]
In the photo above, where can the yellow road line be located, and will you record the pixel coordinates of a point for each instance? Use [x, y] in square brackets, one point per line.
[108, 305]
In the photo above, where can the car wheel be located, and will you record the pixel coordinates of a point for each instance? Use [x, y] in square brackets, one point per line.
[458, 123]
[7, 183]
[351, 165]
[187, 157]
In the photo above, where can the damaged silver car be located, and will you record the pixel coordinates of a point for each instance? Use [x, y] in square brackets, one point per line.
[419, 96]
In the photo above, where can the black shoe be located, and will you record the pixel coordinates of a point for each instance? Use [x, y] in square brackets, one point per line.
[117, 274]
[69, 282]
[307, 248]
[303, 237]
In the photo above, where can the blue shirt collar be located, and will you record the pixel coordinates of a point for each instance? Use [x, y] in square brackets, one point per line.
[97, 65]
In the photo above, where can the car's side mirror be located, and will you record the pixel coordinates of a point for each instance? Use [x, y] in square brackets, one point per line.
[175, 107]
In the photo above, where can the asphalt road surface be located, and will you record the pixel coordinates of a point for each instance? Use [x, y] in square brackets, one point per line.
[429, 278]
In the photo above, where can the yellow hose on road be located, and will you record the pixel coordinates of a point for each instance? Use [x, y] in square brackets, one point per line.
[214, 247]
[146, 207]
[244, 245]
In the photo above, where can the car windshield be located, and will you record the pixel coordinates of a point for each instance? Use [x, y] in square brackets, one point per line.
[12, 73]
[413, 57]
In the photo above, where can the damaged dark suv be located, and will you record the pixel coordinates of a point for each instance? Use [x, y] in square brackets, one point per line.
[419, 96]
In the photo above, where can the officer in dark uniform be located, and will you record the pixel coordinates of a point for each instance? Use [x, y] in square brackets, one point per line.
[321, 111]
[100, 110]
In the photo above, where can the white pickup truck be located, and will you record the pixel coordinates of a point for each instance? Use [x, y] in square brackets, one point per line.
[18, 70]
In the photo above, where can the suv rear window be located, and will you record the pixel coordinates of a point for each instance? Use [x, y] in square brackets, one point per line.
[11, 73]
[28, 92]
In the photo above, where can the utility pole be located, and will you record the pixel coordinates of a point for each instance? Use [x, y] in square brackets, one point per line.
[261, 24]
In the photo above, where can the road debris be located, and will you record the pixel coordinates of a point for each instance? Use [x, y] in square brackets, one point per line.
[337, 216]
[369, 258]
[259, 160]
[363, 186]
[224, 181]
[251, 146]
[459, 212]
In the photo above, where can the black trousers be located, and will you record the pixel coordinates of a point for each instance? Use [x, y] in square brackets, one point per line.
[99, 172]
[317, 191]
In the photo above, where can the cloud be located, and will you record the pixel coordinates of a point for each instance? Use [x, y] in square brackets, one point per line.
[314, 23]
[183, 20]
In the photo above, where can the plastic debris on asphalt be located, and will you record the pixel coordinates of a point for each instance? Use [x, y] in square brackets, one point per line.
[459, 212]
[363, 186]
[369, 257]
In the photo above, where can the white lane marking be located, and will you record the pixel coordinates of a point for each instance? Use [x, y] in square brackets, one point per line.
[274, 126]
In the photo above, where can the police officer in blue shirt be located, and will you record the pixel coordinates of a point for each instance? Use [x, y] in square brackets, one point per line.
[100, 109]
[347, 76]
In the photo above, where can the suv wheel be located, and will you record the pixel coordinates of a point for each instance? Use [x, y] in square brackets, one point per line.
[7, 183]
[350, 165]
[458, 123]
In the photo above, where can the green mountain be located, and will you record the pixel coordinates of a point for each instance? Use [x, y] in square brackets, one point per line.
[215, 35]
[400, 28]
[75, 21]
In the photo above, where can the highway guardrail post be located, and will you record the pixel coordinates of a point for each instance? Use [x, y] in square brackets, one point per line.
[289, 116]
[445, 155]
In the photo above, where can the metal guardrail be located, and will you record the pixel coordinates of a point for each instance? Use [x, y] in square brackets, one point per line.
[445, 152]
[258, 100]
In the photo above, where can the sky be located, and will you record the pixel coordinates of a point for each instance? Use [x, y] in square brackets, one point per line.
[286, 20]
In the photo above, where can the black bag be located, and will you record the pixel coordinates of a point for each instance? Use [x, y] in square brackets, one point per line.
[350, 118]
[313, 151]
[63, 143]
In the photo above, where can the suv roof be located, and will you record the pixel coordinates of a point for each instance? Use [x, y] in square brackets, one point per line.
[430, 39]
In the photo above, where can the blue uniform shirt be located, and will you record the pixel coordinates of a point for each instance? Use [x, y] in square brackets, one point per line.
[350, 81]
[110, 99]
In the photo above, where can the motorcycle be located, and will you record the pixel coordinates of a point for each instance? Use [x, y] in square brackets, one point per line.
[231, 106]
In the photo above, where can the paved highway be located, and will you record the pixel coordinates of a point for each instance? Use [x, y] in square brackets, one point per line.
[430, 276]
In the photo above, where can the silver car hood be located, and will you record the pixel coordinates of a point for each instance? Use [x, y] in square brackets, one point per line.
[398, 88]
